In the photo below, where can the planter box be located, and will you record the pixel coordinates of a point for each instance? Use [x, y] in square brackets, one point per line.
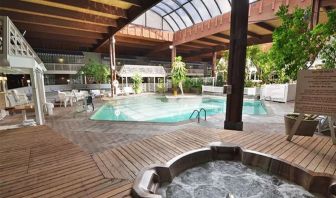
[306, 128]
[252, 91]
[278, 92]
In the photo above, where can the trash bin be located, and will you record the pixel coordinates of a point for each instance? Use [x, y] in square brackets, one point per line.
[49, 107]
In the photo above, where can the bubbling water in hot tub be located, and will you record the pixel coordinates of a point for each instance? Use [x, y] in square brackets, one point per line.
[221, 179]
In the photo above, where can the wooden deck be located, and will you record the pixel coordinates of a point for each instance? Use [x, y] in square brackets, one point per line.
[37, 162]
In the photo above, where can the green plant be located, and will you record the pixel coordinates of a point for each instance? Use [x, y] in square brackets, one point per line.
[328, 55]
[295, 45]
[179, 73]
[160, 86]
[98, 71]
[137, 83]
[248, 83]
[187, 84]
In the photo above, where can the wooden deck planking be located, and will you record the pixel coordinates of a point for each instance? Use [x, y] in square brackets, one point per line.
[42, 163]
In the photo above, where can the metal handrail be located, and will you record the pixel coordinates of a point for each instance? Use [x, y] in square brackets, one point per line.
[198, 116]
[193, 114]
[205, 113]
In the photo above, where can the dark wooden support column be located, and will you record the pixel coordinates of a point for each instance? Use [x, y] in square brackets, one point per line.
[112, 62]
[214, 63]
[237, 62]
[315, 13]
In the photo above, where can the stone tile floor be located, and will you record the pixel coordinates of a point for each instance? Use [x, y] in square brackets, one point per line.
[96, 136]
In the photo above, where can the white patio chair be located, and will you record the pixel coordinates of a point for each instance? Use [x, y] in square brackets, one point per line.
[63, 98]
[128, 90]
[77, 95]
[20, 98]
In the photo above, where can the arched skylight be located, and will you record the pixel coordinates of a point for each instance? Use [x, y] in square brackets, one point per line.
[180, 14]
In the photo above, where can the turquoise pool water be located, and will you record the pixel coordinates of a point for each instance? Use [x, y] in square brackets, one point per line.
[161, 109]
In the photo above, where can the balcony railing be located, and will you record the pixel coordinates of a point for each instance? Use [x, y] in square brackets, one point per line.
[63, 67]
[12, 42]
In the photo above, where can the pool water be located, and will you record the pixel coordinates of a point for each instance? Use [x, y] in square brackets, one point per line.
[162, 109]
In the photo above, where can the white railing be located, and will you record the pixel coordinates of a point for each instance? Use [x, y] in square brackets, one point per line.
[13, 43]
[63, 67]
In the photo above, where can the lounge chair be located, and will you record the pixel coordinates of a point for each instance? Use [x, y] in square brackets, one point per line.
[128, 90]
[63, 98]
[77, 95]
[15, 98]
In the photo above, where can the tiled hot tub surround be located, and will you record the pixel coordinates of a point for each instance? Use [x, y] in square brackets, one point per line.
[149, 179]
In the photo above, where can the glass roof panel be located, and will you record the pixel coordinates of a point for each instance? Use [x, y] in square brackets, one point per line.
[212, 7]
[224, 5]
[172, 23]
[164, 7]
[184, 16]
[182, 1]
[171, 4]
[193, 13]
[178, 20]
[185, 13]
[158, 10]
[201, 9]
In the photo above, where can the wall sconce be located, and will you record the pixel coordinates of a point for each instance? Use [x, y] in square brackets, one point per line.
[61, 60]
[171, 47]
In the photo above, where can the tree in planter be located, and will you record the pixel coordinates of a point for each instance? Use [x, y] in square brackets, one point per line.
[295, 46]
[178, 73]
[98, 71]
[222, 68]
[137, 83]
[261, 60]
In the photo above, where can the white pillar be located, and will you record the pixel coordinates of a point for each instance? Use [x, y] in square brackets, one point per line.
[126, 82]
[36, 98]
[164, 84]
[154, 85]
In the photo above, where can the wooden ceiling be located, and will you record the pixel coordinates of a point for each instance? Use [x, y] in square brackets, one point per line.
[72, 24]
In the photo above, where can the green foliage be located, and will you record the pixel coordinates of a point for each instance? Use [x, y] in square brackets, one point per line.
[160, 86]
[137, 83]
[328, 54]
[98, 71]
[295, 46]
[261, 60]
[187, 84]
[178, 72]
[222, 66]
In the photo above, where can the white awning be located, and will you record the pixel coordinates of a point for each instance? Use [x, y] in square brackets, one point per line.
[143, 70]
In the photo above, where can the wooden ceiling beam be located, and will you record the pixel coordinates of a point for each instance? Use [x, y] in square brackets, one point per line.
[208, 40]
[221, 35]
[47, 36]
[135, 41]
[253, 34]
[84, 6]
[250, 41]
[45, 21]
[132, 13]
[265, 26]
[328, 3]
[56, 30]
[42, 10]
[160, 48]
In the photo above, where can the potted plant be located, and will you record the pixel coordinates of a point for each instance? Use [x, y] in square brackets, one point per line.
[137, 83]
[179, 74]
[306, 128]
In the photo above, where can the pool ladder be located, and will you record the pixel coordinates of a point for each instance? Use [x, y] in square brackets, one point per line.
[198, 115]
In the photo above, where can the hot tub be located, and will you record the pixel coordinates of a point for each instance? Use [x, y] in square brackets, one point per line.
[151, 181]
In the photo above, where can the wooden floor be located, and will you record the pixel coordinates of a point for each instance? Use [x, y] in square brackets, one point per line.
[37, 162]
